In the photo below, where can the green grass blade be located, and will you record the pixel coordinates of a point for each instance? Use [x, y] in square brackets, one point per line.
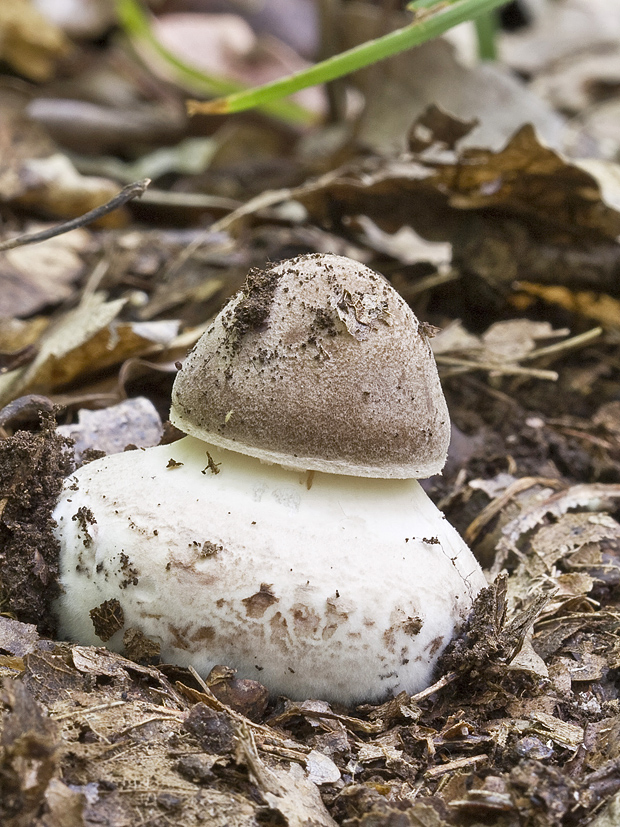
[136, 25]
[486, 31]
[431, 19]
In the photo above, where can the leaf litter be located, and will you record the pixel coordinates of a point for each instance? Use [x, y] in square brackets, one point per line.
[511, 248]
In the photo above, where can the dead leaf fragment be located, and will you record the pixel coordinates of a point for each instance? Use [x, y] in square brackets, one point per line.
[27, 755]
[289, 793]
[400, 89]
[28, 42]
[85, 340]
[563, 733]
[601, 308]
[17, 638]
[65, 805]
[55, 186]
[321, 768]
[132, 422]
[35, 276]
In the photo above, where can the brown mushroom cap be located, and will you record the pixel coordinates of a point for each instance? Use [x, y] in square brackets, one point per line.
[318, 363]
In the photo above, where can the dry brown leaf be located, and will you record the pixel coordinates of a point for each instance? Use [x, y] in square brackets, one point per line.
[398, 90]
[500, 349]
[288, 792]
[563, 733]
[56, 187]
[531, 179]
[600, 307]
[16, 334]
[36, 276]
[28, 42]
[525, 179]
[321, 769]
[17, 638]
[83, 341]
[511, 341]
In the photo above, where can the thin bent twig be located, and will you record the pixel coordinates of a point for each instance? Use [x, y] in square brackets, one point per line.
[134, 190]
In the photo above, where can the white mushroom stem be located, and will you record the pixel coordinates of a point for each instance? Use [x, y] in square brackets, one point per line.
[318, 585]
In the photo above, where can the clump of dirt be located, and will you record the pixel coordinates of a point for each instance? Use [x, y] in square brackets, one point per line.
[32, 468]
[488, 644]
[251, 312]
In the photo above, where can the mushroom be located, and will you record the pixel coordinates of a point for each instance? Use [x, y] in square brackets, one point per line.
[286, 535]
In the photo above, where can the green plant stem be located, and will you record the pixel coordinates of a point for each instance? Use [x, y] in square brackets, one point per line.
[137, 26]
[486, 30]
[430, 21]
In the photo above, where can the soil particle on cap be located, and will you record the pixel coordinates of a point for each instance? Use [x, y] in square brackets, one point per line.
[32, 468]
[252, 311]
[324, 322]
[429, 331]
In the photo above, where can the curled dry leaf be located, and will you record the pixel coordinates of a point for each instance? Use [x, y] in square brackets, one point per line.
[521, 213]
[84, 340]
[525, 177]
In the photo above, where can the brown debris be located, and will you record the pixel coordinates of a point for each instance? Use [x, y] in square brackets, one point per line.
[28, 755]
[107, 619]
[32, 468]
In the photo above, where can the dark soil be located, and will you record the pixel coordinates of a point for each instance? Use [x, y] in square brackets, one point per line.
[32, 468]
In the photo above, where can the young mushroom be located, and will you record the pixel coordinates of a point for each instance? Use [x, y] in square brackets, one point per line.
[286, 535]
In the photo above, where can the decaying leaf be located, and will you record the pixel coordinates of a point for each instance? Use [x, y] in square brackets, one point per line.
[601, 308]
[29, 42]
[55, 186]
[288, 793]
[499, 350]
[84, 340]
[519, 213]
[34, 277]
[132, 422]
[28, 755]
[400, 89]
